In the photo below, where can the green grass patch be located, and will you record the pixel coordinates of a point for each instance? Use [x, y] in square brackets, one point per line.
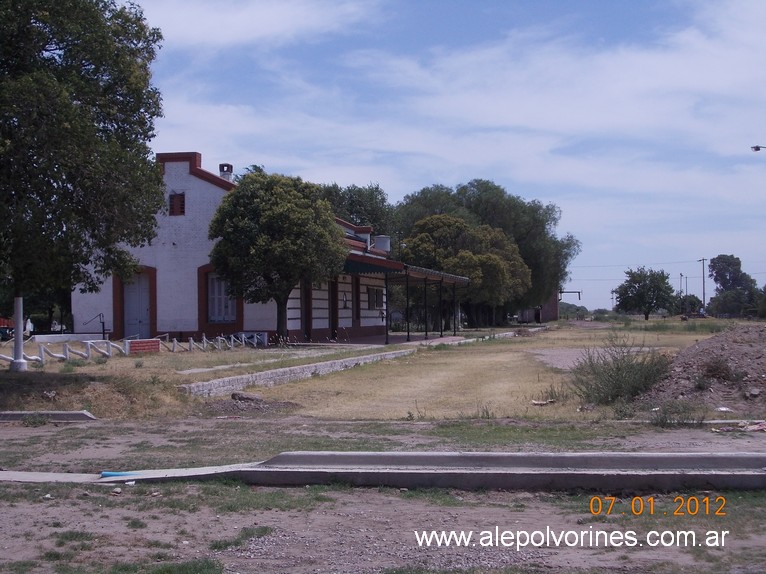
[674, 325]
[203, 566]
[678, 413]
[57, 556]
[227, 496]
[79, 538]
[435, 496]
[34, 420]
[20, 566]
[481, 434]
[136, 523]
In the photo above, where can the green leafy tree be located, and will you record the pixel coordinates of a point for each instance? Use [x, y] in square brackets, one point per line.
[530, 225]
[433, 200]
[644, 291]
[78, 183]
[736, 292]
[726, 271]
[485, 255]
[359, 205]
[685, 303]
[274, 231]
[572, 310]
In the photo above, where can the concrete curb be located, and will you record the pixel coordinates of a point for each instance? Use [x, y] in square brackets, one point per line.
[599, 471]
[226, 385]
[602, 471]
[51, 416]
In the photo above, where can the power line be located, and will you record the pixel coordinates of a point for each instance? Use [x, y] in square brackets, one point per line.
[637, 265]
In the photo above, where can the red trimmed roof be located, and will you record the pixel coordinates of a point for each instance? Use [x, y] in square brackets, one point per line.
[377, 261]
[352, 227]
[194, 159]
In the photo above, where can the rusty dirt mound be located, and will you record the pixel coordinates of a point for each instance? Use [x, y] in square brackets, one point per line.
[726, 371]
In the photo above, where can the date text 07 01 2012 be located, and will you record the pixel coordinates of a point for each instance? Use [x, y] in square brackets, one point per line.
[645, 506]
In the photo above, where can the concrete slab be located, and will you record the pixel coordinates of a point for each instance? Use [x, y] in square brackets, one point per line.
[21, 476]
[52, 416]
[502, 460]
[600, 471]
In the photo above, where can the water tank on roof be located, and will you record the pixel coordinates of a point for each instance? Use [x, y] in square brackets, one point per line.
[383, 242]
[226, 170]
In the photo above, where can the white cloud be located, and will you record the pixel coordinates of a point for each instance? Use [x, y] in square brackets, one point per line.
[644, 146]
[195, 24]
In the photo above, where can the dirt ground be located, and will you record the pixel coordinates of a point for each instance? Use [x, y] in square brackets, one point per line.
[339, 529]
[726, 373]
[88, 528]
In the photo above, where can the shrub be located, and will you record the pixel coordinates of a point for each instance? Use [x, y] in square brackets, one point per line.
[717, 368]
[623, 409]
[34, 420]
[678, 413]
[619, 370]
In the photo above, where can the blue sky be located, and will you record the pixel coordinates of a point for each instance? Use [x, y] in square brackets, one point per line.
[634, 117]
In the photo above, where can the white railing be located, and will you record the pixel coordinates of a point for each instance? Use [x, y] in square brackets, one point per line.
[106, 348]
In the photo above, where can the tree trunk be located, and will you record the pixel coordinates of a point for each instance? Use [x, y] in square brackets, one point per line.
[646, 315]
[282, 333]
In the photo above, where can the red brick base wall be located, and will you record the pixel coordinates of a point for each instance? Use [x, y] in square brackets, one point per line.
[144, 346]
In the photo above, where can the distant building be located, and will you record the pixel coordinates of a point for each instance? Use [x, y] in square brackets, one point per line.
[545, 313]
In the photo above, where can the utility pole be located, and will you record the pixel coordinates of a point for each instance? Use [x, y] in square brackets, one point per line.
[703, 281]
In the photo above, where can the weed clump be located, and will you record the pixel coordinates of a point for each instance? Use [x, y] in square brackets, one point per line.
[618, 371]
[34, 420]
[717, 368]
[678, 413]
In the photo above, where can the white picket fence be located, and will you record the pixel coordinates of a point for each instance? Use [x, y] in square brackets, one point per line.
[104, 348]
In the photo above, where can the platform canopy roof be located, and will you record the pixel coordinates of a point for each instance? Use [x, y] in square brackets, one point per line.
[398, 272]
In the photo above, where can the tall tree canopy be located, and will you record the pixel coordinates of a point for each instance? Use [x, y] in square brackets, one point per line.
[726, 271]
[530, 225]
[736, 292]
[275, 231]
[77, 109]
[484, 254]
[77, 179]
[644, 291]
[359, 205]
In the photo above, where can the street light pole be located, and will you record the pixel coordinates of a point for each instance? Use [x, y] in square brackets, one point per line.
[703, 278]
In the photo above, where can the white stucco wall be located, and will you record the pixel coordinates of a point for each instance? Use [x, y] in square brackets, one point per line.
[86, 307]
[182, 246]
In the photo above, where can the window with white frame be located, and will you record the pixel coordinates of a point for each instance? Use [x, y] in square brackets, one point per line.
[220, 307]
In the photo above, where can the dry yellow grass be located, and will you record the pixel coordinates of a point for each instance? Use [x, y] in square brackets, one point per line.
[499, 378]
[493, 378]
